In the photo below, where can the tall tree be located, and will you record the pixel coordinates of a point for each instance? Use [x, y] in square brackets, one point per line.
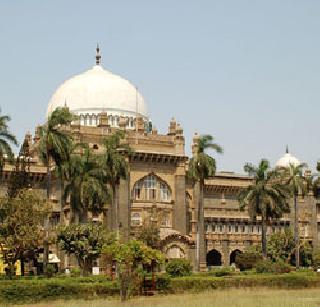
[6, 139]
[265, 196]
[85, 185]
[298, 185]
[54, 144]
[115, 167]
[22, 219]
[201, 167]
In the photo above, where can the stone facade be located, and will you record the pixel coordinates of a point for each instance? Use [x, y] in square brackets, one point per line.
[157, 190]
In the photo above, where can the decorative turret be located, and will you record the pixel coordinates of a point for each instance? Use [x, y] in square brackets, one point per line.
[195, 144]
[103, 119]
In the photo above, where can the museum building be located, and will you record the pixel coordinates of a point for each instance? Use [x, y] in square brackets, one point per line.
[157, 189]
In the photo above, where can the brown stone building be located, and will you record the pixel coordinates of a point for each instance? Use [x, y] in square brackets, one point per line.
[157, 189]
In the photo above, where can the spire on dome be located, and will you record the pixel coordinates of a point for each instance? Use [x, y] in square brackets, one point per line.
[287, 149]
[98, 56]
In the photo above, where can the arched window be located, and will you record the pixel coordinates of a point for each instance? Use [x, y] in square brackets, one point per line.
[152, 188]
[90, 120]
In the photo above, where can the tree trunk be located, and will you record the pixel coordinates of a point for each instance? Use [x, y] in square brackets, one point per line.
[46, 221]
[296, 232]
[62, 202]
[22, 265]
[114, 210]
[264, 234]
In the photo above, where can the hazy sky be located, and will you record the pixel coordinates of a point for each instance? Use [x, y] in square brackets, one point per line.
[247, 72]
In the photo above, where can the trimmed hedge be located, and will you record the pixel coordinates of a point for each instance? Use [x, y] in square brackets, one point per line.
[30, 291]
[40, 289]
[285, 281]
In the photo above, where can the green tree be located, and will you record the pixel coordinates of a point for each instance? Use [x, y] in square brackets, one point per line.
[85, 184]
[85, 241]
[21, 227]
[6, 139]
[129, 256]
[54, 144]
[115, 167]
[201, 167]
[149, 234]
[298, 185]
[265, 196]
[281, 245]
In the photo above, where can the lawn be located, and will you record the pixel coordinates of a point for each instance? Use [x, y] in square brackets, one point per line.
[224, 298]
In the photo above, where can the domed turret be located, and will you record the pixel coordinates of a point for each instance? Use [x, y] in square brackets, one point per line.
[287, 159]
[98, 90]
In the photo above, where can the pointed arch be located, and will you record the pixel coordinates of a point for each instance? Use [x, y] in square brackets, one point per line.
[152, 187]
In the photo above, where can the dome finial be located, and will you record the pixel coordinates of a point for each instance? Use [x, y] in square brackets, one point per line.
[287, 149]
[98, 56]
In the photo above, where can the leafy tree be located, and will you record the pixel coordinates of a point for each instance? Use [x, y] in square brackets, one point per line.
[265, 196]
[85, 241]
[129, 256]
[6, 138]
[178, 267]
[85, 184]
[298, 184]
[115, 167]
[201, 167]
[281, 245]
[149, 234]
[21, 225]
[54, 144]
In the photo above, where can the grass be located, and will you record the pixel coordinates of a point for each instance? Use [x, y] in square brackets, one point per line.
[224, 298]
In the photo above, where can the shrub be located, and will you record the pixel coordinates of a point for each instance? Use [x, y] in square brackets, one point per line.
[178, 267]
[316, 259]
[163, 282]
[247, 260]
[222, 272]
[267, 266]
[264, 266]
[281, 267]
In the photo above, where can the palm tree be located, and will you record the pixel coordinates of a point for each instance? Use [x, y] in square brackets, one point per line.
[6, 137]
[201, 167]
[265, 196]
[85, 183]
[115, 167]
[54, 144]
[298, 185]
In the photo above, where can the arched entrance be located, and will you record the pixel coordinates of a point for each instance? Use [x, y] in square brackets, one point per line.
[233, 255]
[213, 258]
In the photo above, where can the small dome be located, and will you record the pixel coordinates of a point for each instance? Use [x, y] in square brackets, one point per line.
[287, 160]
[99, 90]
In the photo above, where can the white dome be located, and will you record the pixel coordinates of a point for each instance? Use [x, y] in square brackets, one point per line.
[98, 90]
[287, 160]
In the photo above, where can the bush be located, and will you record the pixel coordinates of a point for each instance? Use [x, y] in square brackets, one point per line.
[222, 272]
[247, 260]
[178, 267]
[316, 259]
[35, 290]
[264, 266]
[267, 266]
[163, 282]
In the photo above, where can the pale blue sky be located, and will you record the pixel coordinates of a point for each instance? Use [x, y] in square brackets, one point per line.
[247, 72]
